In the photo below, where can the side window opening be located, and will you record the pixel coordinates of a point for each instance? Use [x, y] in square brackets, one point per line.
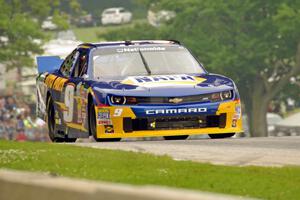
[67, 66]
[80, 67]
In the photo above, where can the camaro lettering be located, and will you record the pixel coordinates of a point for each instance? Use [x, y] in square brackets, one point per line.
[176, 111]
[171, 111]
[182, 110]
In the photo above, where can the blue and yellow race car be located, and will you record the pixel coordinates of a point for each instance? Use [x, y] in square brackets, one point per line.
[115, 90]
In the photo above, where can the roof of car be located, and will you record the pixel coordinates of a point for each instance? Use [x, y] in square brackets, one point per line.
[128, 43]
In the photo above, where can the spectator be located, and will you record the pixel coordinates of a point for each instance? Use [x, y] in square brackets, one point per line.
[10, 129]
[16, 121]
[11, 105]
[20, 128]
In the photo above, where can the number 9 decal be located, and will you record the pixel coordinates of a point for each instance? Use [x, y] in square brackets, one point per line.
[118, 112]
[69, 102]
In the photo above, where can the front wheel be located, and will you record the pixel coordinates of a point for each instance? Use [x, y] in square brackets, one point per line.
[176, 137]
[70, 140]
[92, 126]
[220, 136]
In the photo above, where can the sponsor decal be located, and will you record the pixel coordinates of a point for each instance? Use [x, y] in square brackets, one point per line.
[238, 112]
[57, 119]
[161, 80]
[109, 128]
[137, 49]
[103, 117]
[234, 123]
[118, 112]
[81, 103]
[176, 111]
[237, 115]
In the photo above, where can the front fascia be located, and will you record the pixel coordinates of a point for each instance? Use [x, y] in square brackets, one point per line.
[116, 114]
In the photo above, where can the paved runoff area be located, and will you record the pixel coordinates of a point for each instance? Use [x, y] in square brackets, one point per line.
[269, 151]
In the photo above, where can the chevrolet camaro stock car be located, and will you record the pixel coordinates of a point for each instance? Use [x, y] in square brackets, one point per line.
[115, 90]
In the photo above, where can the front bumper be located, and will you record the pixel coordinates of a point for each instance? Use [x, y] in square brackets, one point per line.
[125, 121]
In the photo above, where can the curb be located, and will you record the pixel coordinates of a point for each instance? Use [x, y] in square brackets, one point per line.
[15, 185]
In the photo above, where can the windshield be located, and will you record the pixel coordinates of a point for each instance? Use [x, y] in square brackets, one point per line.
[143, 61]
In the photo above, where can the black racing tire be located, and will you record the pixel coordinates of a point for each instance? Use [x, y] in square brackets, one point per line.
[220, 136]
[176, 137]
[51, 122]
[52, 125]
[108, 139]
[92, 126]
[70, 140]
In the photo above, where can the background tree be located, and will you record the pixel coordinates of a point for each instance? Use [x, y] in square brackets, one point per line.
[21, 35]
[257, 43]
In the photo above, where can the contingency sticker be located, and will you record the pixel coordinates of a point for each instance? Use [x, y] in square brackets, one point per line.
[109, 128]
[103, 117]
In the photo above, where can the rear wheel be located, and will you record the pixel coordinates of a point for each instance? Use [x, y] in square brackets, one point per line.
[220, 136]
[52, 124]
[92, 126]
[176, 137]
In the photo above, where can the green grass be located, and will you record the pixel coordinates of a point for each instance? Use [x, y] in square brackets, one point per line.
[91, 34]
[140, 169]
[87, 34]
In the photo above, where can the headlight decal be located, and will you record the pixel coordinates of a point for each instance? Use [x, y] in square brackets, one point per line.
[119, 100]
[201, 98]
[226, 95]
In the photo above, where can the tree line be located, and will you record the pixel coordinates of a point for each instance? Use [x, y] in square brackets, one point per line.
[256, 43]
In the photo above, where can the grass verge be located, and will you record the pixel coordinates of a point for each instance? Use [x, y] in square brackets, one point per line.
[141, 169]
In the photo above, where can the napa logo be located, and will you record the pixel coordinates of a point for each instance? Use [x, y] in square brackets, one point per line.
[163, 80]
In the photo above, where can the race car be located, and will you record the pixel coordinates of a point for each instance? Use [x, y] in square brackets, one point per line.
[114, 90]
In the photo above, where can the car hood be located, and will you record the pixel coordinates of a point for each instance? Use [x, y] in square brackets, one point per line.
[165, 85]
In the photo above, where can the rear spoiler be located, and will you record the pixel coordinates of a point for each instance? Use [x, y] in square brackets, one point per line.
[48, 63]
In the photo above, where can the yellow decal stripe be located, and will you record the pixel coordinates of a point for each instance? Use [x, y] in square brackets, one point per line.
[49, 80]
[59, 84]
[76, 126]
[54, 82]
[80, 98]
[61, 105]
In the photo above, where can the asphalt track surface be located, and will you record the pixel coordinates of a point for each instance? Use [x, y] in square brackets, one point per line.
[269, 151]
